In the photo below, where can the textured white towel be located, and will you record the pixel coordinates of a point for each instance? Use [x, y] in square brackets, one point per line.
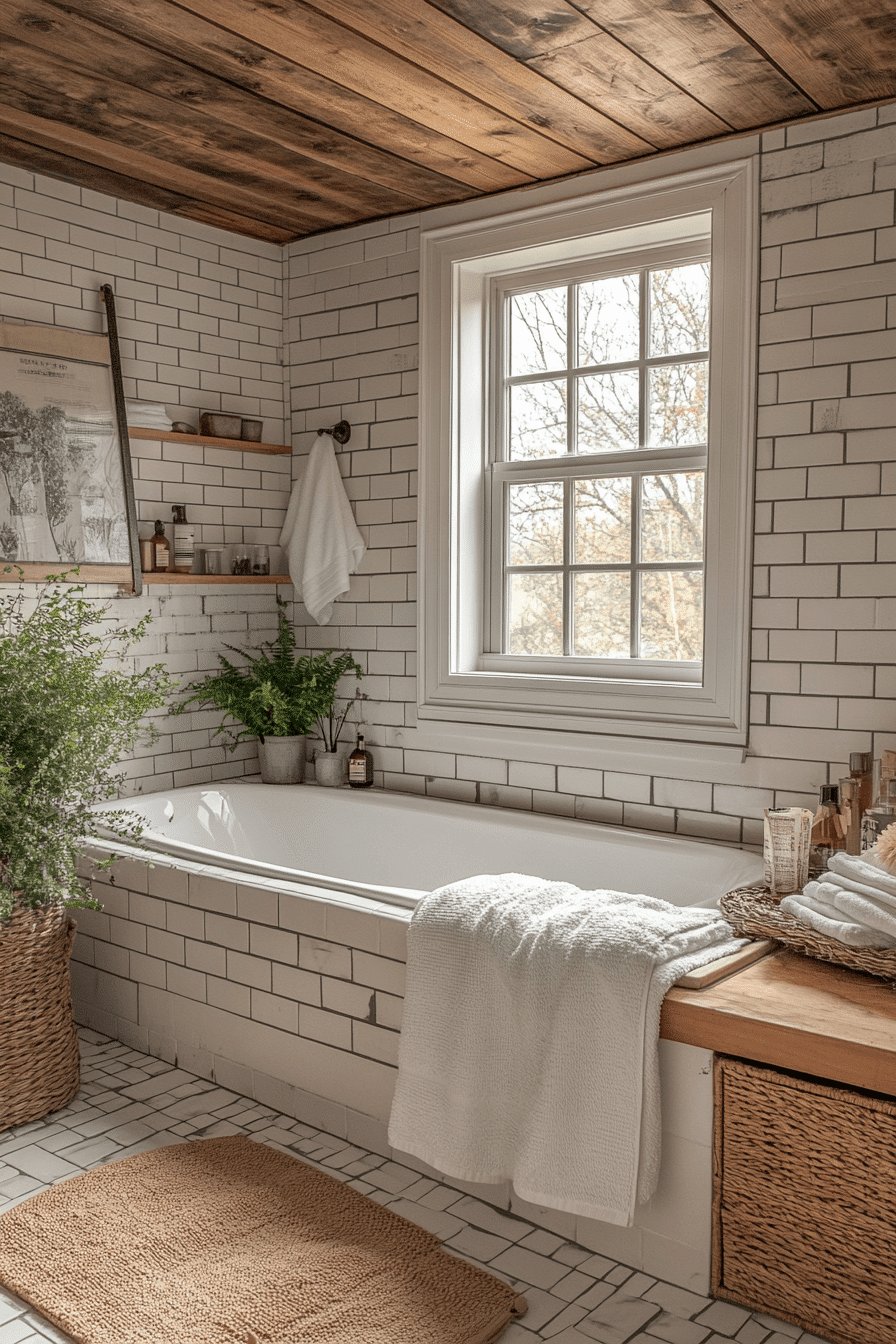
[869, 913]
[322, 543]
[529, 1041]
[866, 869]
[844, 930]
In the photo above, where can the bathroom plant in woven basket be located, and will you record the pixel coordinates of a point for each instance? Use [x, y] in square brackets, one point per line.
[70, 708]
[273, 694]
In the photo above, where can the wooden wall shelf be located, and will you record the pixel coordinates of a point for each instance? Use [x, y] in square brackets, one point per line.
[207, 579]
[238, 445]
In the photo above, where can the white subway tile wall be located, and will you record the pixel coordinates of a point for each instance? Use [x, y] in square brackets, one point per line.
[200, 328]
[824, 615]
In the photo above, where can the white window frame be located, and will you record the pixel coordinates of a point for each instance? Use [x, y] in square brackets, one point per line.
[460, 682]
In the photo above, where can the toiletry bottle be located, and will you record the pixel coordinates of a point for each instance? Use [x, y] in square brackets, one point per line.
[184, 540]
[861, 770]
[360, 766]
[146, 547]
[161, 548]
[828, 830]
[879, 817]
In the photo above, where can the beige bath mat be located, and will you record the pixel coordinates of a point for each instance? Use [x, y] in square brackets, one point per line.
[227, 1241]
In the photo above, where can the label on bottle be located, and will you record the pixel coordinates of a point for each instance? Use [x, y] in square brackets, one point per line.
[184, 548]
[357, 769]
[161, 556]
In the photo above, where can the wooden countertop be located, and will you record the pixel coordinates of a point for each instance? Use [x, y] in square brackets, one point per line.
[794, 1013]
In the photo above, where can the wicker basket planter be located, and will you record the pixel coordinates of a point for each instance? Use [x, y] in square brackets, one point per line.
[39, 1059]
[804, 1202]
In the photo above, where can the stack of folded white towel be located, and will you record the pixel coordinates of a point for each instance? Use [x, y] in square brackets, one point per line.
[855, 901]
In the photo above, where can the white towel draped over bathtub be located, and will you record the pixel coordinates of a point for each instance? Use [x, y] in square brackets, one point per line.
[529, 1040]
[322, 543]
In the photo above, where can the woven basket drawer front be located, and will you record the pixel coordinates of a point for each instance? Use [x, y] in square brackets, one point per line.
[805, 1202]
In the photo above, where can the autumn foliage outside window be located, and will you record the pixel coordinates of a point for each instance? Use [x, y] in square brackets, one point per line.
[601, 466]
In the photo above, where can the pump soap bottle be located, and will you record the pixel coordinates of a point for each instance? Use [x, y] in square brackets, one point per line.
[184, 540]
[861, 772]
[360, 766]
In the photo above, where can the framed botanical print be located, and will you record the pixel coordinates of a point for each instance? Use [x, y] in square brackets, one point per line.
[66, 490]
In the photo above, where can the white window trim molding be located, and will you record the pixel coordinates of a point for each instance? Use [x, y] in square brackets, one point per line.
[457, 264]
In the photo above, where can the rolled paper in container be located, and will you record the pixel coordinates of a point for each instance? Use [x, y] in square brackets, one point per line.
[787, 833]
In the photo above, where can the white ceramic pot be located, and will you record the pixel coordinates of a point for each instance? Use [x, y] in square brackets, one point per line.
[329, 767]
[282, 759]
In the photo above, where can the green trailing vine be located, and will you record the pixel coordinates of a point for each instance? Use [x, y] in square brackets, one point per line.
[69, 713]
[274, 692]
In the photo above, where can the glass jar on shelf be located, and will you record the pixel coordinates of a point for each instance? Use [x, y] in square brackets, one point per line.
[239, 561]
[261, 560]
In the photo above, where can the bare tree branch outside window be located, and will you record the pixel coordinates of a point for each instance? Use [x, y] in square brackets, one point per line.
[607, 564]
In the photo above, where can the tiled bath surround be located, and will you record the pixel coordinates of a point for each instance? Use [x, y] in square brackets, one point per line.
[297, 1002]
[130, 1102]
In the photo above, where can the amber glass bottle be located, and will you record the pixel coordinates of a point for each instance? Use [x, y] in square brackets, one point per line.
[161, 548]
[360, 766]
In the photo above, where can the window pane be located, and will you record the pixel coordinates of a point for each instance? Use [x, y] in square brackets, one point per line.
[679, 310]
[536, 523]
[609, 318]
[603, 521]
[608, 412]
[602, 615]
[535, 617]
[538, 331]
[537, 420]
[672, 516]
[672, 615]
[678, 404]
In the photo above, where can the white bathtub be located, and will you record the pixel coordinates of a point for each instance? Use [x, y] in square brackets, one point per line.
[393, 847]
[196, 958]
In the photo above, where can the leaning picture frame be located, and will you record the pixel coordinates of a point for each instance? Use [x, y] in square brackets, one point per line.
[66, 486]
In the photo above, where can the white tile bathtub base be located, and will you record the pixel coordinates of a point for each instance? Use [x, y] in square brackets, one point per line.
[246, 1038]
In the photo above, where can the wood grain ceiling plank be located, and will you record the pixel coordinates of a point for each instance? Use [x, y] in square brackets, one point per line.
[318, 44]
[132, 163]
[453, 52]
[94, 48]
[221, 218]
[206, 46]
[602, 71]
[142, 119]
[839, 52]
[685, 40]
[39, 159]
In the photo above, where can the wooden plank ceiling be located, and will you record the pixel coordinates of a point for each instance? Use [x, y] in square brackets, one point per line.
[281, 118]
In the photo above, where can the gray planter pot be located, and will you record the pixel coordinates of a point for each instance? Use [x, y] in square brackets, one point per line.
[282, 759]
[329, 767]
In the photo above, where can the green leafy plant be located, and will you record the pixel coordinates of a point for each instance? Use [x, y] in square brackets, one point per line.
[275, 692]
[69, 712]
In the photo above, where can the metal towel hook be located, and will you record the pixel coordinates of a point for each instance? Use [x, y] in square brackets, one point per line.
[341, 432]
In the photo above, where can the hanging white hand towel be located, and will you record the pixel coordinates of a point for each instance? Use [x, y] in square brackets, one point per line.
[322, 543]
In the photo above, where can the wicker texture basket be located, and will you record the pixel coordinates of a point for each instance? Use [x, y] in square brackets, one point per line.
[754, 912]
[804, 1201]
[39, 1059]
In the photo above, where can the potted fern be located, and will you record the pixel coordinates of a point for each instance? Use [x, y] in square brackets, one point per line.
[69, 711]
[276, 695]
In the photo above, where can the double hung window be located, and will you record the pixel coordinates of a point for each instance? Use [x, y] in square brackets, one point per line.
[588, 390]
[600, 463]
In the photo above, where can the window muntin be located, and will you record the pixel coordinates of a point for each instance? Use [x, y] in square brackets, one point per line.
[598, 564]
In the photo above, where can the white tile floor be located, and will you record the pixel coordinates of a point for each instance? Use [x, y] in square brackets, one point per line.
[129, 1102]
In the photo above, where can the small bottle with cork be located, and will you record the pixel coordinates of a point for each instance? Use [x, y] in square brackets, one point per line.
[360, 766]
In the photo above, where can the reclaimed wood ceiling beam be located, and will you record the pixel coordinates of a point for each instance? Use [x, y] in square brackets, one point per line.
[686, 41]
[839, 51]
[205, 46]
[605, 75]
[51, 30]
[142, 120]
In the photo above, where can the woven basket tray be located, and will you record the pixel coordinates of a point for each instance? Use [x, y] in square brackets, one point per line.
[754, 911]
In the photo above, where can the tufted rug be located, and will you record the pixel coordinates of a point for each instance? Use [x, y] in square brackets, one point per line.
[227, 1241]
